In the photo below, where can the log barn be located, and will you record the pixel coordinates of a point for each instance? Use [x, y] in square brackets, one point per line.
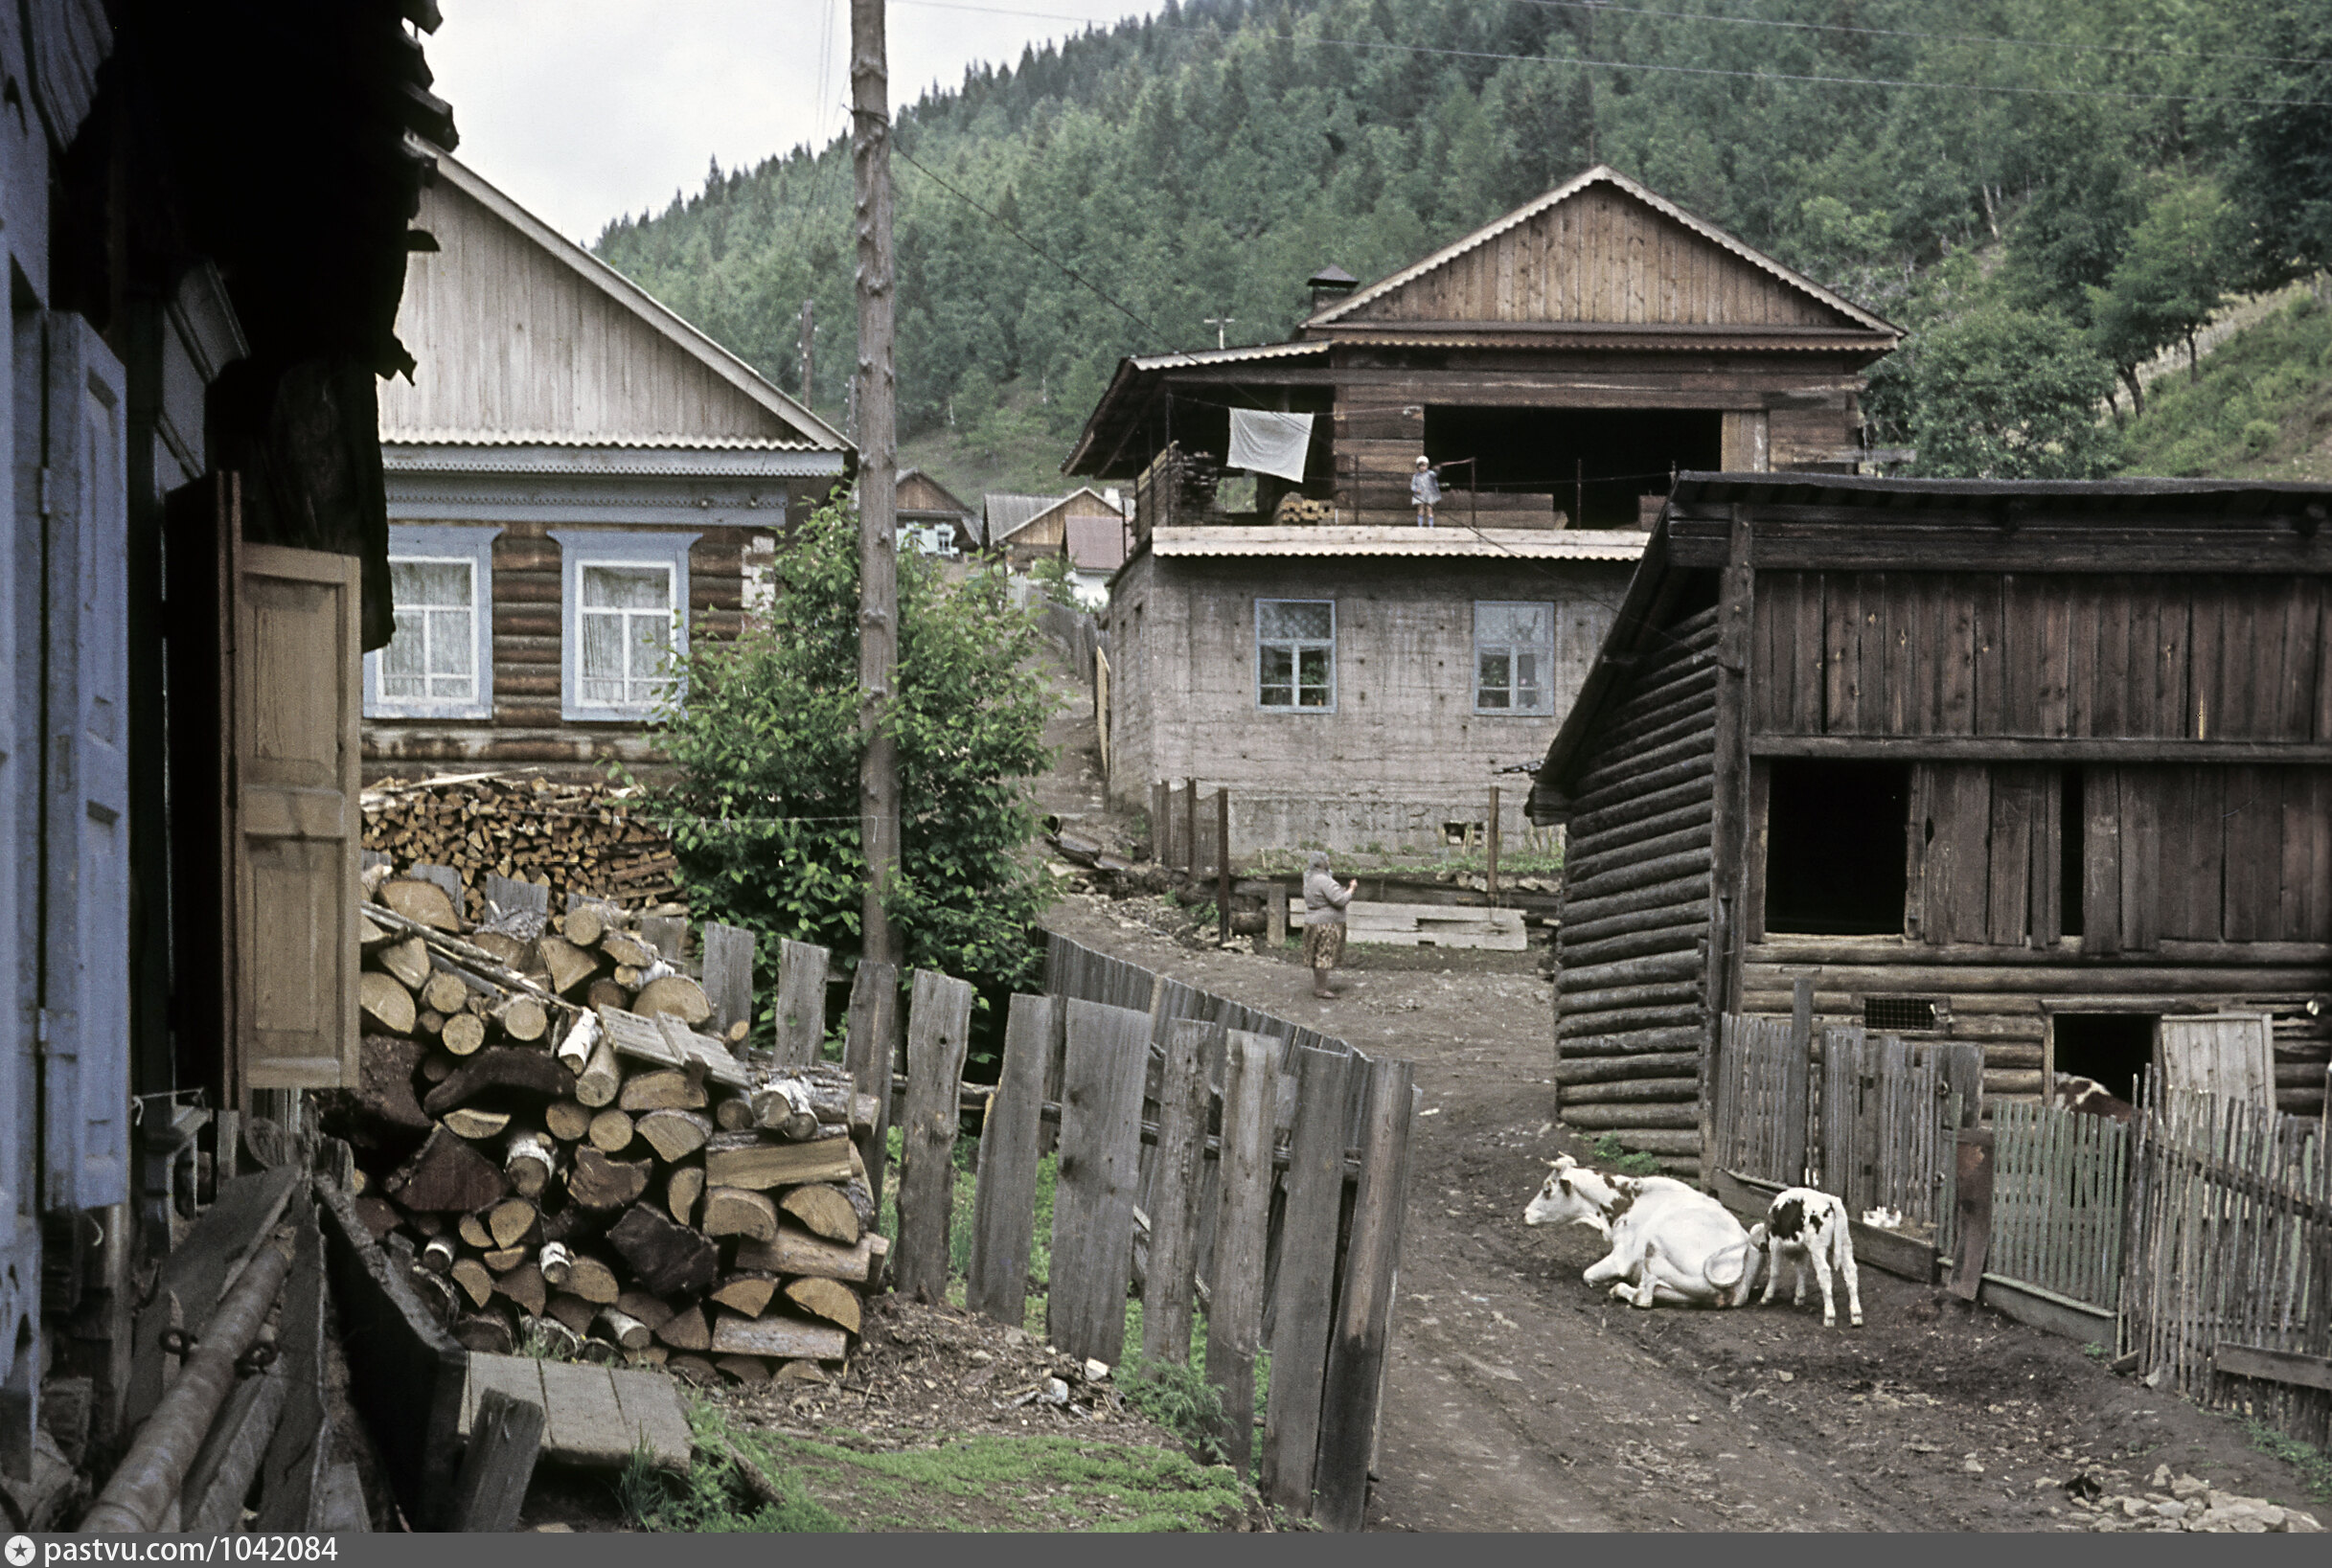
[2028, 764]
[577, 482]
[1560, 365]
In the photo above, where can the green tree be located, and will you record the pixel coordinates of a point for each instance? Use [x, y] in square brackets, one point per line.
[765, 813]
[2171, 277]
[2006, 393]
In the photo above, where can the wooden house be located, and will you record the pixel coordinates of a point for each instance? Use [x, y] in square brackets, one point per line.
[577, 481]
[2032, 765]
[932, 518]
[1045, 531]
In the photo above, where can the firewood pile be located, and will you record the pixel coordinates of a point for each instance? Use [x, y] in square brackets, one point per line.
[578, 838]
[566, 1165]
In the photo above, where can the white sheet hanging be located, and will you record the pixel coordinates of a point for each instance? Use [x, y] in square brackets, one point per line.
[1265, 443]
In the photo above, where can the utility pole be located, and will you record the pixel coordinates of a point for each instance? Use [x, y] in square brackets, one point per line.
[877, 389]
[1219, 324]
[809, 327]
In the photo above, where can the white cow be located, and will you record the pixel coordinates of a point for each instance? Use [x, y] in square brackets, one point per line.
[1809, 1227]
[1670, 1245]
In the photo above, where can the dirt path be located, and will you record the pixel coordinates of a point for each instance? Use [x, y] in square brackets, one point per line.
[1520, 1399]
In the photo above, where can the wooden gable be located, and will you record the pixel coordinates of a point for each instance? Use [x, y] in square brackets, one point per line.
[1601, 250]
[520, 335]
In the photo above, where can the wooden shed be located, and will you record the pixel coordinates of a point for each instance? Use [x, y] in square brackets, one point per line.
[579, 481]
[2027, 764]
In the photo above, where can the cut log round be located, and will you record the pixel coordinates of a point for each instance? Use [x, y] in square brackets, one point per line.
[469, 1122]
[796, 1252]
[612, 1132]
[528, 1161]
[437, 1254]
[682, 1191]
[686, 1331]
[523, 1019]
[485, 1332]
[748, 1369]
[556, 1262]
[423, 901]
[511, 1221]
[502, 1260]
[408, 961]
[524, 1286]
[384, 1083]
[829, 1299]
[667, 1257]
[649, 1308]
[696, 1369]
[592, 1280]
[437, 1066]
[585, 925]
[823, 1211]
[567, 964]
[735, 1211]
[444, 993]
[746, 1295]
[472, 1229]
[503, 1067]
[447, 1176]
[666, 1089]
[606, 992]
[626, 976]
[511, 952]
[386, 1002]
[572, 1313]
[621, 1326]
[676, 994]
[463, 1033]
[734, 1114]
[380, 1216]
[476, 1281]
[598, 1182]
[370, 935]
[596, 1085]
[621, 949]
[568, 1120]
[673, 1135]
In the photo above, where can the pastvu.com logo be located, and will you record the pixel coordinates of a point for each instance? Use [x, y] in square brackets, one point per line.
[20, 1550]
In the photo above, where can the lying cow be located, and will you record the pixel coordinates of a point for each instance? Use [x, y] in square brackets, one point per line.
[1670, 1245]
[1805, 1226]
[2087, 1096]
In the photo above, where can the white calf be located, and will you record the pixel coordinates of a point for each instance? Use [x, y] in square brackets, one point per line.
[1809, 1227]
[1670, 1245]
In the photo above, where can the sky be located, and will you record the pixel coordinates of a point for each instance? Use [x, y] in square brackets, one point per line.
[584, 110]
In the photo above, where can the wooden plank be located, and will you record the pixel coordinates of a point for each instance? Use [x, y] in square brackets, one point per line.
[489, 1488]
[1234, 1317]
[301, 1446]
[939, 1030]
[1973, 1185]
[728, 975]
[1307, 1281]
[1101, 1092]
[870, 1052]
[1353, 1390]
[211, 1496]
[651, 1409]
[1174, 1192]
[801, 1003]
[1004, 1216]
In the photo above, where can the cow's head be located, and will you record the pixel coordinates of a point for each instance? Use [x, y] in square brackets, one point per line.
[1572, 1195]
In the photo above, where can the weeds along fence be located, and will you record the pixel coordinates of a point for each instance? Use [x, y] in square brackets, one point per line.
[1211, 1158]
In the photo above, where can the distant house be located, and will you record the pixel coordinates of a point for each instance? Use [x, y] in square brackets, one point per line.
[1043, 530]
[577, 482]
[1096, 548]
[932, 518]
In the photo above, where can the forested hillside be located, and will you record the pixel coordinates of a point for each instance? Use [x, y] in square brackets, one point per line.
[2047, 191]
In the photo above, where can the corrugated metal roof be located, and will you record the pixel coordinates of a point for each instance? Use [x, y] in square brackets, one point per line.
[1388, 335]
[1004, 511]
[1451, 541]
[676, 440]
[1225, 356]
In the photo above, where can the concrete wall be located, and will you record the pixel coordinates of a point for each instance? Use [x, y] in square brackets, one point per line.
[1402, 753]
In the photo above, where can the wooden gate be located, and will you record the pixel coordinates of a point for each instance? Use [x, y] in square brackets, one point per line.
[1889, 1111]
[2227, 1054]
[1760, 1117]
[2059, 1182]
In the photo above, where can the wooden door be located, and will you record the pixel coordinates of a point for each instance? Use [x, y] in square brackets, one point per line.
[294, 690]
[2226, 1054]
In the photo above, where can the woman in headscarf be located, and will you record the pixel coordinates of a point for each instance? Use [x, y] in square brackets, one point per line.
[1324, 921]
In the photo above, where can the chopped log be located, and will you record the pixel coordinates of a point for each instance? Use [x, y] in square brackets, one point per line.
[608, 991]
[463, 1033]
[427, 1222]
[502, 1260]
[682, 1191]
[686, 1331]
[628, 977]
[384, 1083]
[676, 994]
[568, 1120]
[798, 1252]
[472, 1229]
[596, 1085]
[557, 1263]
[370, 935]
[511, 952]
[591, 1280]
[584, 925]
[649, 1308]
[828, 1299]
[524, 1285]
[380, 1216]
[443, 993]
[446, 1174]
[431, 1022]
[469, 1122]
[476, 1283]
[777, 1337]
[693, 1367]
[437, 1066]
[422, 901]
[557, 1341]
[735, 1211]
[612, 1132]
[673, 1135]
[734, 1114]
[749, 1370]
[408, 961]
[486, 1333]
[504, 1067]
[528, 1161]
[437, 1255]
[511, 1221]
[567, 964]
[625, 1331]
[621, 949]
[824, 1211]
[571, 1312]
[386, 1001]
[665, 1089]
[747, 1295]
[743, 1159]
[575, 1046]
[523, 1019]
[598, 1182]
[668, 1259]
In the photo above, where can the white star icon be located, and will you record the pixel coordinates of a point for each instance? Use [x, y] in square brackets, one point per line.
[19, 1550]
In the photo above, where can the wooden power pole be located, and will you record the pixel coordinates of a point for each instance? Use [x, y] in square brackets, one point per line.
[810, 328]
[878, 440]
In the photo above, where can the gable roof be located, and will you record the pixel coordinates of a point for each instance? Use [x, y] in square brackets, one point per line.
[520, 332]
[1356, 307]
[1003, 511]
[952, 501]
[1053, 504]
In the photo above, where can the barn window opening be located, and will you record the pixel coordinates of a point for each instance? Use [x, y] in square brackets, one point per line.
[1834, 850]
[1893, 1014]
[2114, 1048]
[1591, 464]
[2070, 871]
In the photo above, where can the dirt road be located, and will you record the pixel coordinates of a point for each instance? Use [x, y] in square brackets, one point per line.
[1520, 1399]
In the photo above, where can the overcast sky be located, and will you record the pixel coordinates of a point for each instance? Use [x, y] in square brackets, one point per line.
[582, 110]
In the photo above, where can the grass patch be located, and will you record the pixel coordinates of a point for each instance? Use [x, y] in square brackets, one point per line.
[2313, 1465]
[1611, 1150]
[712, 1497]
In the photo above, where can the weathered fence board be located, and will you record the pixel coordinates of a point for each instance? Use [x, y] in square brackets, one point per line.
[871, 1052]
[2058, 1185]
[1004, 1206]
[801, 1003]
[509, 896]
[1354, 1382]
[1306, 1279]
[939, 1029]
[1174, 1192]
[728, 975]
[1234, 1317]
[1101, 1105]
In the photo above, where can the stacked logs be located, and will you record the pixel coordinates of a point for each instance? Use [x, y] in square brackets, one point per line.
[572, 1168]
[1631, 1019]
[578, 837]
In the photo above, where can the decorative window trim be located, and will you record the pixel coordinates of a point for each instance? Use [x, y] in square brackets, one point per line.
[443, 541]
[1261, 706]
[1545, 650]
[579, 548]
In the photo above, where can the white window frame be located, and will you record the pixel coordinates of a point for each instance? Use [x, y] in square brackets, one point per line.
[1545, 650]
[582, 547]
[444, 542]
[1297, 644]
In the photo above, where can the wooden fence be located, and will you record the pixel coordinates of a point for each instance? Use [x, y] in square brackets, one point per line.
[2059, 1185]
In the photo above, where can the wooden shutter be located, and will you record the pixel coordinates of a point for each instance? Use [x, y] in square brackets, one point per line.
[295, 686]
[83, 493]
[2227, 1054]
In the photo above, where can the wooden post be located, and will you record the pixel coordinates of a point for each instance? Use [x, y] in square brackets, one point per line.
[877, 440]
[668, 935]
[1800, 1109]
[939, 1026]
[1101, 1140]
[1189, 827]
[1492, 877]
[1729, 827]
[1234, 1315]
[1158, 824]
[1004, 1212]
[1364, 1318]
[1174, 1192]
[505, 1437]
[728, 975]
[1307, 1279]
[801, 1003]
[808, 346]
[1222, 867]
[870, 1052]
[1275, 915]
